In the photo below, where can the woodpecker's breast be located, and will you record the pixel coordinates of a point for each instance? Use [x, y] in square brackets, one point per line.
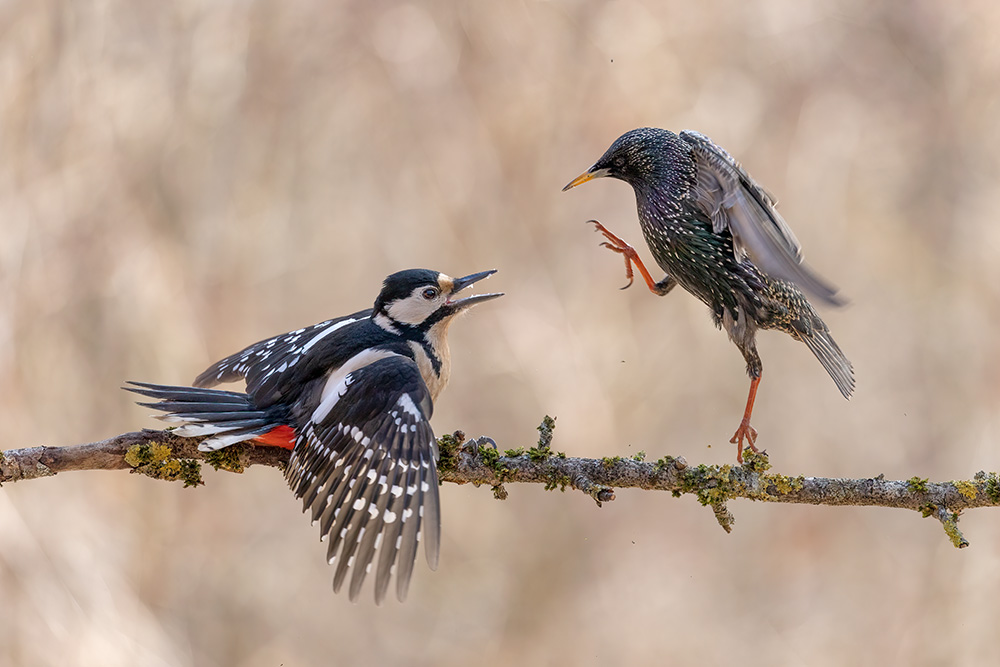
[434, 364]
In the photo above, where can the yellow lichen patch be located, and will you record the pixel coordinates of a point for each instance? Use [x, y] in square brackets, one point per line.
[966, 488]
[950, 523]
[157, 461]
[233, 458]
[756, 461]
[147, 454]
[784, 484]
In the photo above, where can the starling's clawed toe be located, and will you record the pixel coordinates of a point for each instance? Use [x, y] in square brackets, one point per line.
[616, 244]
[747, 432]
[628, 261]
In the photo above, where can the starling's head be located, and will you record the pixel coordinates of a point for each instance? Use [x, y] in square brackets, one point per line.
[418, 298]
[635, 157]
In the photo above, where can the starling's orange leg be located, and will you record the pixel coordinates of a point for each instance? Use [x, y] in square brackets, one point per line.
[746, 430]
[619, 246]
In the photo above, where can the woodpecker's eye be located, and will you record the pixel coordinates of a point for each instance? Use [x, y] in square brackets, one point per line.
[430, 293]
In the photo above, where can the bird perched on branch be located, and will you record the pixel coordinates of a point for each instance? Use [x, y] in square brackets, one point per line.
[351, 397]
[717, 233]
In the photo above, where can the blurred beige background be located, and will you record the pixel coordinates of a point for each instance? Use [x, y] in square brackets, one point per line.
[181, 179]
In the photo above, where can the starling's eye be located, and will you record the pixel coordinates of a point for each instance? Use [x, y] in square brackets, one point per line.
[430, 293]
[619, 162]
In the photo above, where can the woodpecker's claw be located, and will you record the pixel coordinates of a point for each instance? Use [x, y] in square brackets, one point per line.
[476, 443]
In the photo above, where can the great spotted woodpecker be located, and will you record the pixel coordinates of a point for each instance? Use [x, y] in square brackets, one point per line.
[351, 397]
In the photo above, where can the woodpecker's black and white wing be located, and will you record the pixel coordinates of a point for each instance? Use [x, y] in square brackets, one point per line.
[364, 466]
[272, 356]
[733, 199]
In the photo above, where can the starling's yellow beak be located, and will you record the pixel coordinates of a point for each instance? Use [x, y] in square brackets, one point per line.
[581, 179]
[596, 171]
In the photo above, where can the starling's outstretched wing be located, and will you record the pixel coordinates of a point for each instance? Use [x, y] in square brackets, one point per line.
[364, 466]
[731, 198]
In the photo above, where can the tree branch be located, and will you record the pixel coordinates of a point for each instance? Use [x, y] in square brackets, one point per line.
[163, 455]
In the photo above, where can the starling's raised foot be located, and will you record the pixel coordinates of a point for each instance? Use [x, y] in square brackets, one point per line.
[620, 246]
[748, 432]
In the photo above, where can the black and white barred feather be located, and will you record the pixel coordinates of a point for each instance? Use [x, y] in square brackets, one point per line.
[366, 471]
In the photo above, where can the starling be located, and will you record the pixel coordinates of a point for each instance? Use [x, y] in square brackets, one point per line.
[716, 233]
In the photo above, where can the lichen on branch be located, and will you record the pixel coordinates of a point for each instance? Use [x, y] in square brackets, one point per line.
[163, 455]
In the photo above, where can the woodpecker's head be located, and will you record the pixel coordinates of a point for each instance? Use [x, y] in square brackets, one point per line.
[419, 299]
[636, 157]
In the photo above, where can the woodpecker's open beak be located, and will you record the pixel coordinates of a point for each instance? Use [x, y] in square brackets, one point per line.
[461, 283]
[588, 175]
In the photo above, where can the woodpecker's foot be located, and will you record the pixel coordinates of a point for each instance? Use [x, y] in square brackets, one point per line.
[475, 443]
[748, 432]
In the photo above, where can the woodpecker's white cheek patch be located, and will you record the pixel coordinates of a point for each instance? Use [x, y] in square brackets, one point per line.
[408, 311]
[414, 309]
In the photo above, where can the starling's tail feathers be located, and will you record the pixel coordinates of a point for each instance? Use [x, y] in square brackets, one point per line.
[833, 360]
[228, 416]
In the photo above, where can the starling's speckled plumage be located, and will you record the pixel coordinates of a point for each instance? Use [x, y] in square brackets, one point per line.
[716, 233]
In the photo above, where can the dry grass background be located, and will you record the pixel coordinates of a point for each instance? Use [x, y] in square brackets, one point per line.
[181, 179]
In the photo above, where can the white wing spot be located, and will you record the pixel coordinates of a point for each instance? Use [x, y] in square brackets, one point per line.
[408, 406]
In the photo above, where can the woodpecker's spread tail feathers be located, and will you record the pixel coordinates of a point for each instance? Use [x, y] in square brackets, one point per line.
[228, 416]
